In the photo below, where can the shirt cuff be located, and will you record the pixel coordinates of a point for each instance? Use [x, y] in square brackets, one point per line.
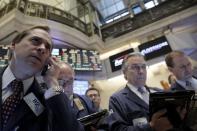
[52, 92]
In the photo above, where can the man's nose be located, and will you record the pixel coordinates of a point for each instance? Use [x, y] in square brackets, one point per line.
[42, 48]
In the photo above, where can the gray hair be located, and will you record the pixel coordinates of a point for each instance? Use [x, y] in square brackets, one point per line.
[125, 62]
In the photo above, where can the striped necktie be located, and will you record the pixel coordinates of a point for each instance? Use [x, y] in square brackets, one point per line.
[144, 94]
[10, 104]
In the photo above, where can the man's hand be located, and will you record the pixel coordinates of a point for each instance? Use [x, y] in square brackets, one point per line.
[182, 111]
[52, 74]
[159, 122]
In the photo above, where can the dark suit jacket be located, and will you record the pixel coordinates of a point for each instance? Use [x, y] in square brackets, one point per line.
[57, 115]
[176, 86]
[87, 105]
[127, 106]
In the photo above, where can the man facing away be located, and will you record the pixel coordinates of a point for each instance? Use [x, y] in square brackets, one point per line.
[130, 106]
[33, 110]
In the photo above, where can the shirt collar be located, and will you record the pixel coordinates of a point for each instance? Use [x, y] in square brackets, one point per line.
[8, 77]
[134, 89]
[183, 83]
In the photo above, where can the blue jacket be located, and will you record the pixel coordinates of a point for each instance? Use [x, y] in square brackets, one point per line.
[127, 107]
[88, 106]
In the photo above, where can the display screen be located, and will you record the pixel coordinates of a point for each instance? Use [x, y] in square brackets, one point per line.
[155, 48]
[55, 52]
[80, 86]
[79, 59]
[136, 9]
[116, 60]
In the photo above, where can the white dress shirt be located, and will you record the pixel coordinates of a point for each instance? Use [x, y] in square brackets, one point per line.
[7, 78]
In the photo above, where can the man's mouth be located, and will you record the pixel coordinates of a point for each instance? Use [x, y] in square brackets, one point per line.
[36, 57]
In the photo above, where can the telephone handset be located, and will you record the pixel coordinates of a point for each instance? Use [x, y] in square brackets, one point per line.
[44, 70]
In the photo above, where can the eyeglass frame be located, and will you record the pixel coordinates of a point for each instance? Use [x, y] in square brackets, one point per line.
[137, 67]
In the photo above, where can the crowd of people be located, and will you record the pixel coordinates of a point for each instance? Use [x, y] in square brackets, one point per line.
[27, 106]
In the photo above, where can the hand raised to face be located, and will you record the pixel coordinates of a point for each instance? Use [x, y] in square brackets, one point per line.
[53, 72]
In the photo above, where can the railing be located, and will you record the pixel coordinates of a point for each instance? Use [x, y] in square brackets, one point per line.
[112, 30]
[48, 12]
[7, 8]
[146, 17]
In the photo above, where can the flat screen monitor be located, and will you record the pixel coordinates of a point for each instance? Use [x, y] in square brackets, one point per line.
[94, 119]
[155, 48]
[171, 101]
[136, 9]
[80, 86]
[117, 59]
[55, 52]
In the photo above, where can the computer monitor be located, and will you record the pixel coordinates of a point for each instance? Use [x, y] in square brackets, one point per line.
[155, 48]
[171, 101]
[93, 119]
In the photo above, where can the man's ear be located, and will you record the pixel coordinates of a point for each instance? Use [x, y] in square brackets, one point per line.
[10, 50]
[170, 69]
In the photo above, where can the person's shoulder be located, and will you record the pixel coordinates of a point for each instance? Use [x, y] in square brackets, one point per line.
[120, 93]
[154, 89]
[86, 100]
[176, 86]
[82, 97]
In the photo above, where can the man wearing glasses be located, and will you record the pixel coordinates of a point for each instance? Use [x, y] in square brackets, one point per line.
[130, 106]
[81, 105]
[94, 95]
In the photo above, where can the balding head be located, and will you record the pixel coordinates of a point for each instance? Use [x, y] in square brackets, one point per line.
[66, 78]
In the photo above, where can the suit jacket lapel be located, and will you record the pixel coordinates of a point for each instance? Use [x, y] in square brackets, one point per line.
[133, 97]
[177, 86]
[23, 108]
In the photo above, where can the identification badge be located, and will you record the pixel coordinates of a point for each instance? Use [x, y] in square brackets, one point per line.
[140, 121]
[78, 104]
[34, 104]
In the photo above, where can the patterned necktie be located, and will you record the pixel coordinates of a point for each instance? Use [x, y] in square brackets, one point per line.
[189, 85]
[12, 101]
[144, 94]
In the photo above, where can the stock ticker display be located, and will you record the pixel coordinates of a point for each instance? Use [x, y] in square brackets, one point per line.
[79, 59]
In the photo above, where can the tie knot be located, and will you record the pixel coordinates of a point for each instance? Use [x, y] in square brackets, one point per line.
[188, 84]
[17, 85]
[141, 90]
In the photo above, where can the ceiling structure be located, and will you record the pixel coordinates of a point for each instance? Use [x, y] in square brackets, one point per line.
[107, 8]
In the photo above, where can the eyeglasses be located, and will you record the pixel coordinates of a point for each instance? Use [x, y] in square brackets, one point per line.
[38, 41]
[137, 67]
[93, 95]
[184, 67]
[65, 82]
